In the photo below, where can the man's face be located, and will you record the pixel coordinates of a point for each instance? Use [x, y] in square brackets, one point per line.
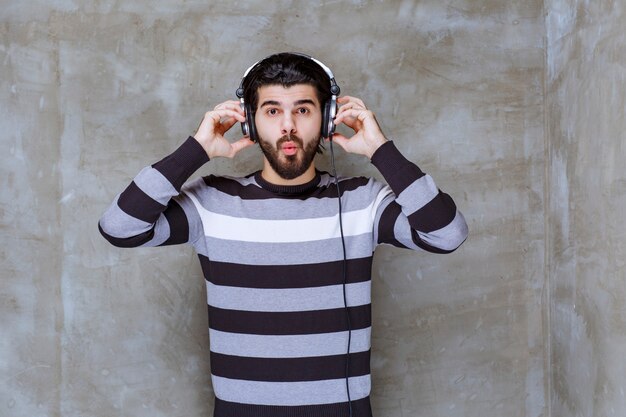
[288, 123]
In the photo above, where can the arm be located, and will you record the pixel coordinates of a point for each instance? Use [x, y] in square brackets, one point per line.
[416, 213]
[152, 210]
[149, 212]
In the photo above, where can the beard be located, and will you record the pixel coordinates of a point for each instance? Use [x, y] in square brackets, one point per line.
[289, 167]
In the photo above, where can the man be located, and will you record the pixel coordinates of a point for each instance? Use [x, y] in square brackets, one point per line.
[287, 251]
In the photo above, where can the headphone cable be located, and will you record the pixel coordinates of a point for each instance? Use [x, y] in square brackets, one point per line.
[345, 261]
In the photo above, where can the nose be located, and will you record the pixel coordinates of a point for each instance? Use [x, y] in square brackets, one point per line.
[288, 124]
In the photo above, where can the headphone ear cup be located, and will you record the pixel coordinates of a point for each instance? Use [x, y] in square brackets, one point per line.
[251, 124]
[328, 125]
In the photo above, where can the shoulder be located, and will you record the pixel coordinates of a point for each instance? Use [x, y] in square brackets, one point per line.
[354, 185]
[226, 182]
[245, 188]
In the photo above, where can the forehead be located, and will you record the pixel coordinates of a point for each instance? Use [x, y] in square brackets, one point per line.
[286, 96]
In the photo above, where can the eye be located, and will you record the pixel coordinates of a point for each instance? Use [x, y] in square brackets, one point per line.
[272, 112]
[303, 110]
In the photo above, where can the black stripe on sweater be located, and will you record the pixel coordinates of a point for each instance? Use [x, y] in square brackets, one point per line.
[316, 368]
[289, 323]
[398, 171]
[134, 202]
[436, 214]
[386, 225]
[360, 408]
[385, 230]
[179, 226]
[184, 161]
[419, 242]
[254, 192]
[285, 276]
[128, 242]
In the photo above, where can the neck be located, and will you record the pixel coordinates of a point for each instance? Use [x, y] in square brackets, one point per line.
[272, 177]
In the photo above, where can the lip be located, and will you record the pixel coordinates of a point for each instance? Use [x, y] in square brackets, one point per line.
[289, 148]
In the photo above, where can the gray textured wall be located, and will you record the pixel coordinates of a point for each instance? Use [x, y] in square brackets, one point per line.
[586, 100]
[93, 91]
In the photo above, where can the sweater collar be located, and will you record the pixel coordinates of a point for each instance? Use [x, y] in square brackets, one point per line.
[287, 189]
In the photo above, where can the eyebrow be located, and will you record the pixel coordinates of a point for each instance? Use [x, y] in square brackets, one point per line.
[295, 103]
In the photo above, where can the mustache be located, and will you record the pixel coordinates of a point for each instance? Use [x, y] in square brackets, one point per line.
[290, 138]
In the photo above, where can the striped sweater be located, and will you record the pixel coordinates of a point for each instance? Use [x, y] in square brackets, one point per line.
[273, 263]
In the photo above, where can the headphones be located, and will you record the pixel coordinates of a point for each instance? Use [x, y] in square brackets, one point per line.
[329, 108]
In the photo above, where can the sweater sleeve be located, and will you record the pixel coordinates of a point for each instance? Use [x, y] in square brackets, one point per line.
[417, 213]
[152, 210]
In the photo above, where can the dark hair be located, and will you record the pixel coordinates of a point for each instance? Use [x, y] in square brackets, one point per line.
[286, 69]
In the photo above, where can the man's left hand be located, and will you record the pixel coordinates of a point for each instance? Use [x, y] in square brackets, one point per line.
[367, 136]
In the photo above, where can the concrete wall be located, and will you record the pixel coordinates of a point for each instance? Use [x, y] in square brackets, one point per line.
[93, 91]
[586, 103]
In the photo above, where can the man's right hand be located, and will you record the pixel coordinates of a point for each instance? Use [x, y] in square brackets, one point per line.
[215, 124]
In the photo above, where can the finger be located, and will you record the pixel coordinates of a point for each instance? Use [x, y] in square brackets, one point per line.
[228, 123]
[350, 99]
[352, 105]
[218, 115]
[341, 140]
[358, 114]
[230, 104]
[227, 102]
[349, 106]
[240, 144]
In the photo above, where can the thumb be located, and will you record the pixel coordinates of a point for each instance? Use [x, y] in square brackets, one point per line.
[341, 140]
[241, 144]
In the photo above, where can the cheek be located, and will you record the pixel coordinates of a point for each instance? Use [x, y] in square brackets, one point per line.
[314, 123]
[263, 124]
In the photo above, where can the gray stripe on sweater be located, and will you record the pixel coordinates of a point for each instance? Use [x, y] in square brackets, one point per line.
[118, 224]
[417, 195]
[254, 253]
[291, 346]
[449, 237]
[161, 232]
[402, 232]
[280, 208]
[446, 238]
[155, 185]
[194, 222]
[292, 393]
[287, 299]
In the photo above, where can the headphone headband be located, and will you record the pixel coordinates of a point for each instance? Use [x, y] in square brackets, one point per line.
[334, 88]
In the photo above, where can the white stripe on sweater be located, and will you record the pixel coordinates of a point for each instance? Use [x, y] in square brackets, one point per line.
[226, 227]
